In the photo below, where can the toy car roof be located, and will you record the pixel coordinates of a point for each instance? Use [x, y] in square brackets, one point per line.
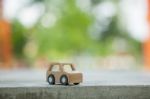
[60, 64]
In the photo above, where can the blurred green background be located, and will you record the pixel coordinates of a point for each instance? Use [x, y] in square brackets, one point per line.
[72, 28]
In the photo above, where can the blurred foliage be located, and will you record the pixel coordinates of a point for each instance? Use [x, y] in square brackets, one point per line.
[95, 2]
[69, 33]
[18, 38]
[114, 30]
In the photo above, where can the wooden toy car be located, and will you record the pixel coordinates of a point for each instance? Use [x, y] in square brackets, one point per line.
[63, 73]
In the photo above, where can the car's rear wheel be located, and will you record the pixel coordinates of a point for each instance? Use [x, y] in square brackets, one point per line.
[64, 80]
[51, 79]
[76, 83]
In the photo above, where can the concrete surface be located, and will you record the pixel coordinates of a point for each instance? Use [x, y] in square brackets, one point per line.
[96, 85]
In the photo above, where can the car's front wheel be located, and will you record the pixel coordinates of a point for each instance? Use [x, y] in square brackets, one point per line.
[64, 80]
[51, 79]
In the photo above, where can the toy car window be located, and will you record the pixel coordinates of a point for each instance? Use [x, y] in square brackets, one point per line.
[68, 68]
[55, 68]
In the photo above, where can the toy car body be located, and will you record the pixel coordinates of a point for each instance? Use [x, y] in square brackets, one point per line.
[58, 73]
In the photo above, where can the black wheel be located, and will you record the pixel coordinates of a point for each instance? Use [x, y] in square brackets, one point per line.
[76, 83]
[51, 79]
[64, 80]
